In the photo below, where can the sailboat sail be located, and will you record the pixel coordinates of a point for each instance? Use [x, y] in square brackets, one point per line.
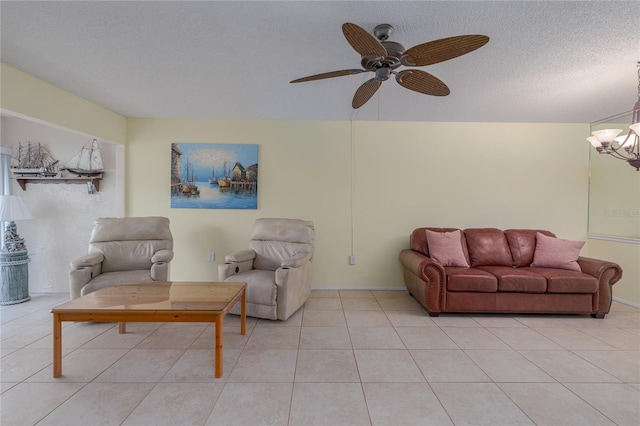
[86, 162]
[33, 160]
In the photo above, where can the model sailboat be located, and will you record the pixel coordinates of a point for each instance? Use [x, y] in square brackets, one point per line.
[87, 162]
[33, 160]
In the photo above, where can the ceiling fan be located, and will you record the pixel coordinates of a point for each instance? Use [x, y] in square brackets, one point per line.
[383, 57]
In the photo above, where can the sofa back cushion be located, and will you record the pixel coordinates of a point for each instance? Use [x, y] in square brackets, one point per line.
[488, 247]
[418, 240]
[522, 244]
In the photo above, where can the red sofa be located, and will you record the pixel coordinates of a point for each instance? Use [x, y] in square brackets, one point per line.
[501, 276]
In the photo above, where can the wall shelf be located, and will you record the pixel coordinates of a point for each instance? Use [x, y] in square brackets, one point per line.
[23, 180]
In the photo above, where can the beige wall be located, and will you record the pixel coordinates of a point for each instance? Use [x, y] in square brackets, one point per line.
[627, 255]
[365, 186]
[30, 97]
[404, 175]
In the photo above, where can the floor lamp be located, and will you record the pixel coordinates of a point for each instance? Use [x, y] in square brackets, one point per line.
[14, 271]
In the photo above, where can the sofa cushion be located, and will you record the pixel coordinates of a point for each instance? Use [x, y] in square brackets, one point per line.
[522, 243]
[520, 280]
[566, 281]
[418, 240]
[488, 246]
[556, 253]
[470, 279]
[446, 248]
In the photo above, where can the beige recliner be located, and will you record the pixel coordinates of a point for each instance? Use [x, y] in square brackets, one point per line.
[276, 267]
[128, 249]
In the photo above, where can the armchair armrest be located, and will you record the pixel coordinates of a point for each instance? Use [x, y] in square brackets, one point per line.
[296, 261]
[235, 263]
[82, 271]
[86, 261]
[425, 279]
[241, 256]
[162, 256]
[293, 285]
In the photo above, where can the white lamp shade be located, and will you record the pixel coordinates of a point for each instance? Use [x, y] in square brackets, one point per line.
[13, 208]
[626, 141]
[606, 135]
[594, 141]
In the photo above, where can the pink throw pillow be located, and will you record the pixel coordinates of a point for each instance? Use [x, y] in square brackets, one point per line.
[446, 248]
[556, 253]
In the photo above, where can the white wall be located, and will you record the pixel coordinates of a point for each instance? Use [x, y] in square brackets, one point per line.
[63, 214]
[405, 175]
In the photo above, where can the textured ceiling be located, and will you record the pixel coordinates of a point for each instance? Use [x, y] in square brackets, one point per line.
[547, 61]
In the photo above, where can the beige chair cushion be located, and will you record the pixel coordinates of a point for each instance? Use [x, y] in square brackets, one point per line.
[129, 243]
[276, 240]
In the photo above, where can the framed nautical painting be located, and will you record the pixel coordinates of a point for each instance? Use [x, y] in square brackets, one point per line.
[214, 176]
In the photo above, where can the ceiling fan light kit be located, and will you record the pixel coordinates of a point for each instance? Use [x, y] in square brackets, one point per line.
[625, 147]
[382, 57]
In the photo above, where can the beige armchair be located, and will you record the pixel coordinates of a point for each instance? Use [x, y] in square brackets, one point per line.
[276, 267]
[129, 249]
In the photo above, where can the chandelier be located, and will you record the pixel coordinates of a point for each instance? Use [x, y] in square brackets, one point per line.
[623, 147]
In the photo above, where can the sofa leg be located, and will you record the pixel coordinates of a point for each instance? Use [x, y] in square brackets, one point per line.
[433, 314]
[598, 315]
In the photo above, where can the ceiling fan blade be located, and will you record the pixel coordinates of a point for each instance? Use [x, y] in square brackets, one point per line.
[365, 92]
[443, 49]
[363, 42]
[330, 74]
[422, 82]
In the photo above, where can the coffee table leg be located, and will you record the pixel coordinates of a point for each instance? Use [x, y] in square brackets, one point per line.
[122, 327]
[243, 312]
[57, 346]
[218, 360]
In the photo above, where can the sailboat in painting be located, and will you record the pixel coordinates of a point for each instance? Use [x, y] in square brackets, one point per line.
[87, 162]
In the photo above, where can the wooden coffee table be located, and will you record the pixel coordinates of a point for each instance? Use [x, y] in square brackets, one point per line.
[153, 302]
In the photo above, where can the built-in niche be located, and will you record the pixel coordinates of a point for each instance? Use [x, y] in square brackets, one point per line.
[62, 214]
[614, 190]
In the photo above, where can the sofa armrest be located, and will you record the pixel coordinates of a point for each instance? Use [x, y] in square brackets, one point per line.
[425, 279]
[607, 273]
[162, 256]
[598, 268]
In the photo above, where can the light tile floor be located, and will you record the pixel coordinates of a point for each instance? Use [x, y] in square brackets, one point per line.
[346, 358]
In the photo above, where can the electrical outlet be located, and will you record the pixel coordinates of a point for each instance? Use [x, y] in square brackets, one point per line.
[352, 260]
[212, 256]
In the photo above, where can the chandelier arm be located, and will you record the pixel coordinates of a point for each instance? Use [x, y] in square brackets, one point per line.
[624, 150]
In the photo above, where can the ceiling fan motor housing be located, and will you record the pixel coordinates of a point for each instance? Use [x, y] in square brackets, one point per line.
[392, 60]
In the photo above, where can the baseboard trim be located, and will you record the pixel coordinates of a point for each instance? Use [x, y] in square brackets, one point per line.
[626, 302]
[358, 288]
